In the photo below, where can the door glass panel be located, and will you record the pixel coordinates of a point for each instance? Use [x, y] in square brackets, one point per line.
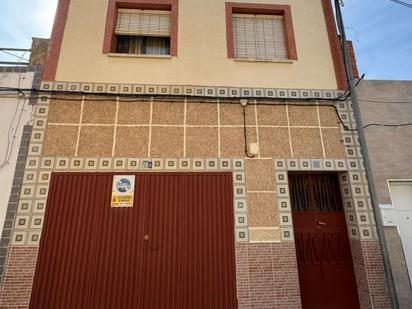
[315, 192]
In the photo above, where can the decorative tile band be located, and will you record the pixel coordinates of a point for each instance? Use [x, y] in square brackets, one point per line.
[355, 194]
[200, 91]
[36, 178]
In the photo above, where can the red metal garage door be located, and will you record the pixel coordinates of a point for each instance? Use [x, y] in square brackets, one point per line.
[173, 249]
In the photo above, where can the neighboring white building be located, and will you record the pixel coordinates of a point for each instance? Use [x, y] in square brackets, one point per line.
[15, 113]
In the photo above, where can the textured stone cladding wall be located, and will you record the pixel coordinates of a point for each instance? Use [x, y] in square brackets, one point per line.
[96, 133]
[165, 129]
[155, 129]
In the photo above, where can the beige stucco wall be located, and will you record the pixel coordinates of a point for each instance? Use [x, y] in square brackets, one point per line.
[202, 52]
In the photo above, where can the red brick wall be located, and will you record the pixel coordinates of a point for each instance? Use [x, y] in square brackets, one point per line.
[334, 43]
[353, 62]
[50, 67]
[18, 278]
[370, 276]
[267, 275]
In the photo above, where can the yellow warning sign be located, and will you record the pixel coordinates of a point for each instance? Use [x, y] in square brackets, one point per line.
[123, 190]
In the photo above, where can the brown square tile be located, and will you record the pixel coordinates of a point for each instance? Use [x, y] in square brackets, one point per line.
[328, 117]
[62, 111]
[232, 114]
[306, 143]
[96, 141]
[303, 116]
[99, 112]
[232, 141]
[272, 115]
[260, 175]
[202, 142]
[334, 147]
[133, 113]
[262, 210]
[132, 141]
[274, 142]
[168, 113]
[60, 141]
[201, 114]
[167, 142]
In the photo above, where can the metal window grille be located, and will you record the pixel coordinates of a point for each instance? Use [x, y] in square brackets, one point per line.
[259, 37]
[315, 192]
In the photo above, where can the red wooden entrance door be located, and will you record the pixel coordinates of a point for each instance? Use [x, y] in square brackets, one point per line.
[173, 249]
[326, 275]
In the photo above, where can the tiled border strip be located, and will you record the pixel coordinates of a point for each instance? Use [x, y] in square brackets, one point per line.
[354, 192]
[354, 184]
[34, 192]
[366, 255]
[20, 69]
[38, 71]
[14, 196]
[201, 91]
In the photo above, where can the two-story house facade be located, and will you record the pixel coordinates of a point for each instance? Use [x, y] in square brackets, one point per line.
[194, 154]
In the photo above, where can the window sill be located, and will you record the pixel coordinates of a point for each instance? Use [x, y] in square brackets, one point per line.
[264, 60]
[139, 56]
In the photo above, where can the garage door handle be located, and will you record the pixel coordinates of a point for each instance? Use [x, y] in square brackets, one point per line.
[322, 223]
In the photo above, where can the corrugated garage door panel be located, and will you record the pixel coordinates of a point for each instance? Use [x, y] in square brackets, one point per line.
[93, 256]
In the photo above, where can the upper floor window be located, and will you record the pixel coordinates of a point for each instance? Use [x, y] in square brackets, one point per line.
[143, 32]
[257, 31]
[259, 37]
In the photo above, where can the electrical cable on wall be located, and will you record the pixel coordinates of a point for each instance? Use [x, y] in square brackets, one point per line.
[385, 102]
[366, 162]
[204, 100]
[161, 98]
[388, 125]
[199, 99]
[10, 144]
[244, 103]
[342, 97]
[14, 55]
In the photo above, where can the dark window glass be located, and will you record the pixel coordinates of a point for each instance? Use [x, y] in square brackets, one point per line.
[143, 45]
[315, 192]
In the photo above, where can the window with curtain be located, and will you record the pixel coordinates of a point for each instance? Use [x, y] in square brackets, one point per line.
[259, 37]
[143, 32]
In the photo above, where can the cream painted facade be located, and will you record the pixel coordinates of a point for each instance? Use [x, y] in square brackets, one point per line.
[201, 55]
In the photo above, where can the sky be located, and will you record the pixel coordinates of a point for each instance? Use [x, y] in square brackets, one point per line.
[380, 30]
